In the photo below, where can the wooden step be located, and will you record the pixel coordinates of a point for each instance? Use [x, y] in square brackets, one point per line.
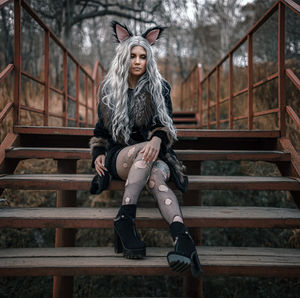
[186, 119]
[215, 133]
[187, 126]
[70, 261]
[184, 113]
[84, 153]
[194, 216]
[187, 138]
[82, 182]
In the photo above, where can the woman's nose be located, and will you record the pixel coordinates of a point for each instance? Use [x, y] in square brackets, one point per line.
[137, 60]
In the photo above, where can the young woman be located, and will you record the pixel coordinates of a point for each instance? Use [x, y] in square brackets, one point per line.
[132, 142]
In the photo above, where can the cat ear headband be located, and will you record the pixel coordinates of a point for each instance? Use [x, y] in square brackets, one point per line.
[121, 33]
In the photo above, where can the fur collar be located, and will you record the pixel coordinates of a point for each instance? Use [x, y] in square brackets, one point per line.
[141, 109]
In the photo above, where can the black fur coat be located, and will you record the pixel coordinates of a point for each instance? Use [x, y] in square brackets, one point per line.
[142, 127]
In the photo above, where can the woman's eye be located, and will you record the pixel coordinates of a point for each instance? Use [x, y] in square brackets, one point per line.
[143, 57]
[132, 56]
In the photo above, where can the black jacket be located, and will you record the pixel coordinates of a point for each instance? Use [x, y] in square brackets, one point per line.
[143, 130]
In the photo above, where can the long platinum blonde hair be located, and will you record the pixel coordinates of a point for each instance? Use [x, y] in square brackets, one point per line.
[113, 91]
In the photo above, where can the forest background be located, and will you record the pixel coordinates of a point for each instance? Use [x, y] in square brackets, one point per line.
[197, 32]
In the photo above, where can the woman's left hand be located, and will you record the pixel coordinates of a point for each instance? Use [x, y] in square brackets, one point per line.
[151, 150]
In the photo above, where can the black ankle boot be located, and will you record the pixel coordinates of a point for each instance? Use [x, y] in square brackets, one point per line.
[184, 256]
[126, 237]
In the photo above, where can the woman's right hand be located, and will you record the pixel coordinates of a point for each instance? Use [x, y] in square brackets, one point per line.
[99, 164]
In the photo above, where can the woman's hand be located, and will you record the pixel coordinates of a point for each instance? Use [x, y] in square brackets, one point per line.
[99, 164]
[151, 150]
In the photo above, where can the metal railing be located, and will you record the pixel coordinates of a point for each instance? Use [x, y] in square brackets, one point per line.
[197, 91]
[86, 118]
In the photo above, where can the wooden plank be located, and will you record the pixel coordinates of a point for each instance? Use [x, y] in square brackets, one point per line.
[82, 182]
[212, 133]
[187, 126]
[183, 113]
[44, 152]
[84, 153]
[82, 131]
[264, 155]
[177, 120]
[195, 216]
[242, 261]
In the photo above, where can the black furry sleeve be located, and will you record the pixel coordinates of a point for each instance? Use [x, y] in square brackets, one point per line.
[99, 142]
[158, 129]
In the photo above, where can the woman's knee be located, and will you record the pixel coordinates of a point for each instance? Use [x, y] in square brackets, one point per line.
[160, 173]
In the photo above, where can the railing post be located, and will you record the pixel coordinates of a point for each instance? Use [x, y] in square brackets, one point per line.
[231, 90]
[63, 285]
[65, 83]
[281, 68]
[77, 95]
[193, 286]
[97, 85]
[250, 82]
[17, 60]
[46, 78]
[200, 100]
[218, 98]
[195, 90]
[86, 101]
[208, 101]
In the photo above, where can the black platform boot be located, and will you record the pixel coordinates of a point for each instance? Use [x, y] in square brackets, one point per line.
[184, 256]
[126, 237]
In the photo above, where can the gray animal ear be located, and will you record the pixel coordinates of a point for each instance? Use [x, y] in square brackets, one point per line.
[153, 34]
[121, 32]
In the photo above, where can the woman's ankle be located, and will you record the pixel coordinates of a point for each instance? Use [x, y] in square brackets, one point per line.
[129, 210]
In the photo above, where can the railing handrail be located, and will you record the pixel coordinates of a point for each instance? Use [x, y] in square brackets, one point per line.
[293, 115]
[4, 2]
[6, 110]
[292, 5]
[4, 73]
[292, 76]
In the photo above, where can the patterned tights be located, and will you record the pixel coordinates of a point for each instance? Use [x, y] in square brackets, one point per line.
[138, 173]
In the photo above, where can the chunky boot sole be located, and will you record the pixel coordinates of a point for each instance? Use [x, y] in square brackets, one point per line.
[180, 263]
[129, 253]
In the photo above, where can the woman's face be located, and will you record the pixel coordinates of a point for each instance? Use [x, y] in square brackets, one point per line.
[138, 59]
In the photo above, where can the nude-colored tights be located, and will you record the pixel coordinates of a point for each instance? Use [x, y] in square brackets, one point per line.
[137, 173]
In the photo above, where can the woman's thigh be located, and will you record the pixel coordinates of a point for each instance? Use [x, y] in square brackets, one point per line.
[126, 158]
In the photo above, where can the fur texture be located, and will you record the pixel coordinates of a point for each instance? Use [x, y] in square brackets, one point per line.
[169, 136]
[126, 32]
[97, 142]
[177, 166]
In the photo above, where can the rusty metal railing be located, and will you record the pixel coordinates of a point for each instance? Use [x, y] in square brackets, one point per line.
[195, 89]
[86, 118]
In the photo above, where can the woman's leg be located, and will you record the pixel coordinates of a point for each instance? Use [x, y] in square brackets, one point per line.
[166, 199]
[135, 171]
[184, 255]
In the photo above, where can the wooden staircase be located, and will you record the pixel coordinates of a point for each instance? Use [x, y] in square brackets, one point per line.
[194, 146]
[186, 119]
